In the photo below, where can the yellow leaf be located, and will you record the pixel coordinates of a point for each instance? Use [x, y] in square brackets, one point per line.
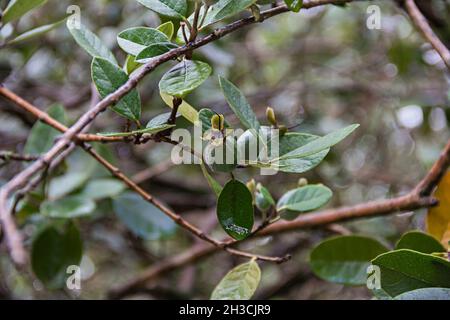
[185, 109]
[438, 218]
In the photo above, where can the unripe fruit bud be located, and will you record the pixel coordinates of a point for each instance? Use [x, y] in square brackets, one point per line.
[302, 182]
[270, 114]
[256, 12]
[217, 122]
[251, 185]
[283, 130]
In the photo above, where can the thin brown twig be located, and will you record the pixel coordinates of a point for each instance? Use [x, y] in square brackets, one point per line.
[9, 155]
[174, 216]
[151, 172]
[412, 201]
[317, 219]
[44, 117]
[33, 183]
[422, 24]
[134, 186]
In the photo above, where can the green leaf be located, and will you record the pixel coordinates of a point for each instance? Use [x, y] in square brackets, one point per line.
[68, 207]
[419, 241]
[345, 259]
[303, 199]
[290, 142]
[108, 78]
[224, 9]
[263, 198]
[52, 251]
[215, 186]
[238, 284]
[238, 103]
[36, 32]
[425, 294]
[321, 144]
[175, 9]
[406, 270]
[235, 210]
[134, 40]
[294, 5]
[90, 42]
[154, 50]
[131, 65]
[42, 136]
[17, 8]
[102, 188]
[167, 28]
[302, 164]
[159, 121]
[184, 78]
[142, 218]
[294, 140]
[155, 125]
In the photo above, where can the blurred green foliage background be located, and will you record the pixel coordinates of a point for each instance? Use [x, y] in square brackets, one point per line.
[320, 70]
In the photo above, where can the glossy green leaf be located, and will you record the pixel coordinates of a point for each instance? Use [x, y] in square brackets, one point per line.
[154, 50]
[90, 42]
[303, 199]
[238, 284]
[294, 5]
[184, 78]
[238, 103]
[167, 28]
[36, 32]
[102, 188]
[68, 207]
[419, 241]
[235, 210]
[345, 259]
[321, 143]
[425, 294]
[17, 8]
[224, 9]
[53, 250]
[171, 8]
[142, 218]
[406, 270]
[42, 136]
[134, 40]
[108, 78]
